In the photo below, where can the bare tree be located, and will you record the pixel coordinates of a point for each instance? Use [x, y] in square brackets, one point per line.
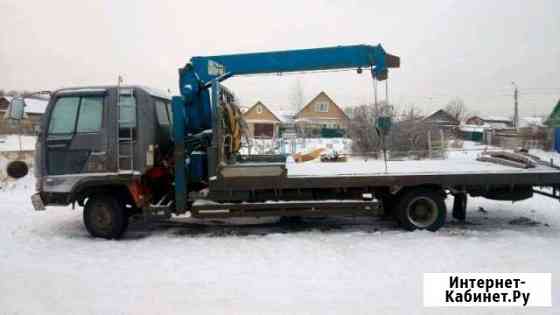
[349, 111]
[297, 96]
[410, 113]
[362, 129]
[456, 108]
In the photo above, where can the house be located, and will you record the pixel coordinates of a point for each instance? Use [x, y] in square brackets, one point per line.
[472, 132]
[442, 121]
[34, 110]
[492, 122]
[483, 128]
[262, 122]
[321, 117]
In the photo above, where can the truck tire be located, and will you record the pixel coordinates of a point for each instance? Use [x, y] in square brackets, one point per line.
[421, 209]
[105, 217]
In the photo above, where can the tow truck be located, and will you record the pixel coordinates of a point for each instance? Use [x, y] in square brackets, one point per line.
[123, 151]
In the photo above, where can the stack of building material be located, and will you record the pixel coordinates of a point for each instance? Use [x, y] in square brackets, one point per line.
[508, 159]
[298, 157]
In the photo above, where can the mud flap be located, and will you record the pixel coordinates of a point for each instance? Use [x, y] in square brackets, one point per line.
[460, 207]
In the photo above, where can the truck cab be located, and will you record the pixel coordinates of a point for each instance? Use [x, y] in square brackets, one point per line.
[98, 142]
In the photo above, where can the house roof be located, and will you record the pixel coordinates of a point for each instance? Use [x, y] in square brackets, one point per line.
[322, 93]
[525, 122]
[491, 119]
[276, 116]
[447, 118]
[496, 119]
[285, 116]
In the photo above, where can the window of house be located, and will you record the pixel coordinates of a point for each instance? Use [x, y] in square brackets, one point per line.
[259, 109]
[321, 107]
[76, 114]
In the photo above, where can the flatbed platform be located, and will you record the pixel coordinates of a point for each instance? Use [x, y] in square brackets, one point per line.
[408, 167]
[353, 174]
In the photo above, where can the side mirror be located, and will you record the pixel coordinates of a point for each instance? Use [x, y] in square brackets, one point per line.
[15, 110]
[17, 169]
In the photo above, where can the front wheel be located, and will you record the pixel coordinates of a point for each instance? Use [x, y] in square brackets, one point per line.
[105, 217]
[421, 209]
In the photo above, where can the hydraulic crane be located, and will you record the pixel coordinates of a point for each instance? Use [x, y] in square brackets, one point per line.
[196, 110]
[200, 170]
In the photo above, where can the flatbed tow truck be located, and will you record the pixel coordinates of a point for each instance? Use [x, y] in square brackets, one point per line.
[123, 151]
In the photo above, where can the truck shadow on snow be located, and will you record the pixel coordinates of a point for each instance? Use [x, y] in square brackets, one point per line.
[221, 228]
[328, 225]
[477, 223]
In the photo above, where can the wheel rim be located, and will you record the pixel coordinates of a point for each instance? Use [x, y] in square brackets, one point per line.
[101, 218]
[422, 212]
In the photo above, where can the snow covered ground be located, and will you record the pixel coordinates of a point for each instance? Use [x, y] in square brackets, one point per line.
[49, 265]
[12, 143]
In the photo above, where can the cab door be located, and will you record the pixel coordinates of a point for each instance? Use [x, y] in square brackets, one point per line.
[76, 139]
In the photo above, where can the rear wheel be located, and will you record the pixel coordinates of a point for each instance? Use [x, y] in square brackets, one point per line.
[421, 209]
[105, 217]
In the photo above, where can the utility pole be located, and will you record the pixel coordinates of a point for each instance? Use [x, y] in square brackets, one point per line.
[516, 105]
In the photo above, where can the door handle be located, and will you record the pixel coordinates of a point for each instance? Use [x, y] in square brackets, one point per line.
[98, 153]
[62, 145]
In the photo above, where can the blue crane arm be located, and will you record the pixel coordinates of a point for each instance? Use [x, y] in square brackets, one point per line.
[201, 70]
[193, 111]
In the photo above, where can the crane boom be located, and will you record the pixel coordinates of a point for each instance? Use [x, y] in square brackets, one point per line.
[201, 70]
[196, 111]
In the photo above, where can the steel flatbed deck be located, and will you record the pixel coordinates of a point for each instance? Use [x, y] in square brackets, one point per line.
[445, 173]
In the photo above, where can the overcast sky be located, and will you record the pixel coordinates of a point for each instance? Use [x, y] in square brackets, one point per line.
[469, 49]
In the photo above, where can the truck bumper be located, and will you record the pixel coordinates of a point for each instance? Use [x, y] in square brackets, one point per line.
[37, 202]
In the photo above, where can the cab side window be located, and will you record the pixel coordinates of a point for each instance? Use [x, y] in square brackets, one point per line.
[81, 114]
[162, 115]
[127, 110]
[91, 114]
[63, 117]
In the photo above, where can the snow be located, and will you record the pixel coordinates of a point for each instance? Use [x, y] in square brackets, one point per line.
[285, 116]
[496, 119]
[408, 167]
[49, 264]
[473, 128]
[12, 143]
[458, 161]
[525, 122]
